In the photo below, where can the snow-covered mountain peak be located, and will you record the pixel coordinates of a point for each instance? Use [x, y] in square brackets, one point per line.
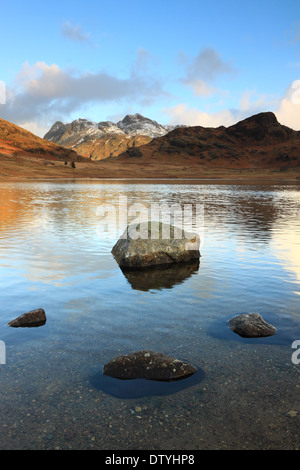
[134, 124]
[131, 125]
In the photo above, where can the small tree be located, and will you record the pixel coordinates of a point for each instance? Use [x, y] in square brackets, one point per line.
[73, 165]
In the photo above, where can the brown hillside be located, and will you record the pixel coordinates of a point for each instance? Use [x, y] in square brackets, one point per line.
[109, 146]
[18, 142]
[258, 142]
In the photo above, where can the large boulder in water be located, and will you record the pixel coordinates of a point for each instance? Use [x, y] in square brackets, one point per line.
[33, 318]
[148, 365]
[155, 243]
[251, 325]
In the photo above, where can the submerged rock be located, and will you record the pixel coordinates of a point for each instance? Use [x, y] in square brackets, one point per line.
[148, 365]
[155, 243]
[30, 319]
[251, 325]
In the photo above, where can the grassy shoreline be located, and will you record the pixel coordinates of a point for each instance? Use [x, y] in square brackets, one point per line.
[28, 169]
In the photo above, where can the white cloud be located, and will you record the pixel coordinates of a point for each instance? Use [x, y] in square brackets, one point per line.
[144, 60]
[74, 32]
[286, 109]
[182, 114]
[208, 65]
[201, 88]
[35, 127]
[254, 103]
[203, 70]
[43, 93]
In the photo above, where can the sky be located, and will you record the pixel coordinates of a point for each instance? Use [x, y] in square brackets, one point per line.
[187, 62]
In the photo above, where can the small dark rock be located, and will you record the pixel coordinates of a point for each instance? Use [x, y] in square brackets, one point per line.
[251, 325]
[30, 319]
[148, 365]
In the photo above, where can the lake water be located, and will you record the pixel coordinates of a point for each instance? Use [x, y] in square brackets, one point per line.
[55, 254]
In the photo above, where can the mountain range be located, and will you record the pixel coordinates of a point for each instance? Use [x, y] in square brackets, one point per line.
[256, 147]
[106, 139]
[257, 142]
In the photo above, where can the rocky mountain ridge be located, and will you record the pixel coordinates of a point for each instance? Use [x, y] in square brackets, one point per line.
[259, 141]
[255, 148]
[106, 138]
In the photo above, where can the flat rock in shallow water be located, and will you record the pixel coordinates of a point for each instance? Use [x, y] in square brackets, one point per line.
[148, 365]
[33, 318]
[251, 325]
[155, 243]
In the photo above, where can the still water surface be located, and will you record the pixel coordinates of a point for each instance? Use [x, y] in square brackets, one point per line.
[54, 255]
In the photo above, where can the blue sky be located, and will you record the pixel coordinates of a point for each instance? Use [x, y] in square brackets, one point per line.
[192, 62]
